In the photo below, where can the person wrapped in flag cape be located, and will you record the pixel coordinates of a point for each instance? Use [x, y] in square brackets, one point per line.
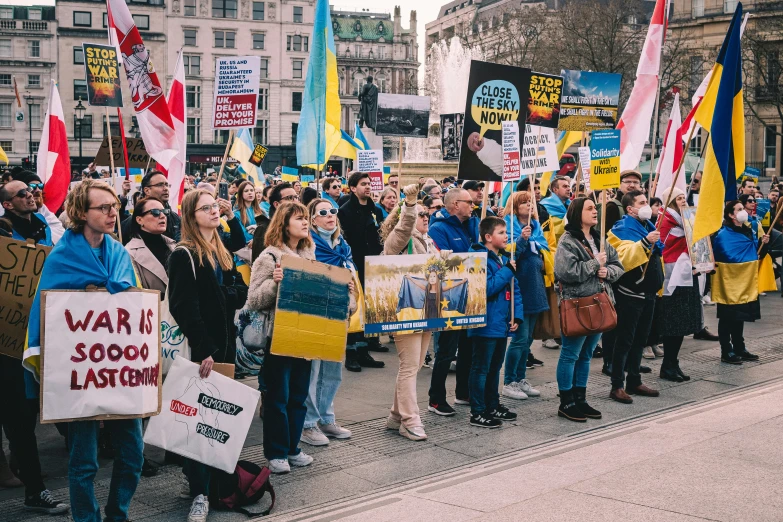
[537, 245]
[433, 296]
[556, 205]
[766, 269]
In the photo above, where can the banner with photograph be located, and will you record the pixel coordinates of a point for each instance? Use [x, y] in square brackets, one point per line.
[236, 92]
[403, 115]
[205, 420]
[590, 100]
[425, 292]
[702, 257]
[543, 106]
[100, 355]
[451, 135]
[101, 68]
[605, 159]
[496, 93]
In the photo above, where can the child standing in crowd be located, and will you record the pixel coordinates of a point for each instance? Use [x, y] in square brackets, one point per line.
[489, 342]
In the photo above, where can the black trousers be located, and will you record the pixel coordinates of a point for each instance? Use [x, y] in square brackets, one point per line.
[18, 415]
[607, 346]
[634, 319]
[451, 345]
[730, 334]
[671, 349]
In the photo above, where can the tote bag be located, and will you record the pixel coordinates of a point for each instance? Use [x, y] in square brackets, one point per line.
[172, 341]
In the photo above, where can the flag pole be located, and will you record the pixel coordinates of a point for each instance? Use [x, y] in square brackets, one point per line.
[399, 170]
[658, 96]
[603, 220]
[225, 156]
[532, 179]
[111, 162]
[701, 157]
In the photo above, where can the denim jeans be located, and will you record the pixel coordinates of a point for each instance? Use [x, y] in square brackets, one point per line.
[198, 476]
[83, 465]
[325, 379]
[287, 383]
[634, 318]
[573, 367]
[488, 356]
[518, 350]
[451, 344]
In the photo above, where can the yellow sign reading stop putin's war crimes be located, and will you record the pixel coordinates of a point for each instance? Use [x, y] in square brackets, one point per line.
[102, 71]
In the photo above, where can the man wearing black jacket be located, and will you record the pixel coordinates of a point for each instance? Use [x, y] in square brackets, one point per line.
[360, 221]
[155, 184]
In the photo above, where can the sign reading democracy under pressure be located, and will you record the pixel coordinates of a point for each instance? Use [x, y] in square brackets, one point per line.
[605, 159]
[100, 354]
[236, 92]
[101, 67]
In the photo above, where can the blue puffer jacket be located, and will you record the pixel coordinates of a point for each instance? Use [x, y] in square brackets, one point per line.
[499, 278]
[449, 233]
[530, 268]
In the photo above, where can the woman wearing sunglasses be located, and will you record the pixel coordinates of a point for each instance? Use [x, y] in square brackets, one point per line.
[326, 376]
[149, 248]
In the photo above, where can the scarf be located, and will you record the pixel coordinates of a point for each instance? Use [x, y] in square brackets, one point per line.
[536, 236]
[555, 206]
[339, 255]
[157, 246]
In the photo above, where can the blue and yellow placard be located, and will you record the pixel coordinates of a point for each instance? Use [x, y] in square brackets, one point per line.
[605, 159]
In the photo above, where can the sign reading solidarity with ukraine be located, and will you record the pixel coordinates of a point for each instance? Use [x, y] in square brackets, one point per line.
[236, 92]
[496, 93]
[605, 159]
[101, 355]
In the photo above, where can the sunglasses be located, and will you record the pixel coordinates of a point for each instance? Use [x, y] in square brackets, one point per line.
[326, 211]
[423, 215]
[751, 201]
[156, 212]
[36, 186]
[23, 193]
[436, 207]
[290, 198]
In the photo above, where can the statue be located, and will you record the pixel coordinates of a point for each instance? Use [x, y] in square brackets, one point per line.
[369, 104]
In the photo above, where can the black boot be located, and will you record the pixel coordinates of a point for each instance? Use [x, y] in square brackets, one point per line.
[351, 364]
[365, 360]
[568, 408]
[580, 397]
[669, 373]
[679, 372]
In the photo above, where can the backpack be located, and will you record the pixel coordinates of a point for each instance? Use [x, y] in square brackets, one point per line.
[247, 485]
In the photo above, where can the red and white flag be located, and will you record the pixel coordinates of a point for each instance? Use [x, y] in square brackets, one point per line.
[152, 112]
[672, 151]
[638, 113]
[54, 160]
[176, 103]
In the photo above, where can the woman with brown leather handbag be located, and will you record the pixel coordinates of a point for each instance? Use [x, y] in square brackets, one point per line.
[582, 271]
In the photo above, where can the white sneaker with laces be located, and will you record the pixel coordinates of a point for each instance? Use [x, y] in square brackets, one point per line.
[512, 391]
[551, 344]
[413, 433]
[279, 466]
[300, 460]
[647, 352]
[199, 509]
[314, 437]
[525, 386]
[336, 431]
[461, 402]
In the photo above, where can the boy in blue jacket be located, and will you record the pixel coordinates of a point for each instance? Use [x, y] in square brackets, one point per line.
[489, 342]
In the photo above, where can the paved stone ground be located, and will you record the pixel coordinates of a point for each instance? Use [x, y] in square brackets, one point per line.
[375, 459]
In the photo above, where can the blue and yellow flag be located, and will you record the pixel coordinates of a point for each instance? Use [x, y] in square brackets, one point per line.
[554, 227]
[319, 131]
[736, 278]
[722, 113]
[412, 305]
[626, 237]
[241, 150]
[358, 136]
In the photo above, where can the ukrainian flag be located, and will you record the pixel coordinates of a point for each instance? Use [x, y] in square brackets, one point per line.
[453, 300]
[564, 140]
[358, 136]
[243, 148]
[721, 112]
[626, 238]
[736, 278]
[555, 226]
[3, 156]
[319, 131]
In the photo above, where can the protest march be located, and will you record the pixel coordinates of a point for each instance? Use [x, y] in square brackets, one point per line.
[160, 307]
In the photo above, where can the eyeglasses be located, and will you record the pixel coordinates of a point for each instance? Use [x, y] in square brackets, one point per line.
[36, 186]
[436, 207]
[156, 212]
[160, 185]
[333, 187]
[23, 193]
[290, 198]
[326, 211]
[106, 209]
[209, 208]
[468, 201]
[631, 182]
[393, 183]
[423, 215]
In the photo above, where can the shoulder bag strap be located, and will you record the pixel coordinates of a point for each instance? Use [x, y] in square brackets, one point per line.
[192, 264]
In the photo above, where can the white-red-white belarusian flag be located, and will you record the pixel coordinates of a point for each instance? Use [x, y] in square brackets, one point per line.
[54, 160]
[176, 103]
[637, 116]
[152, 112]
[671, 153]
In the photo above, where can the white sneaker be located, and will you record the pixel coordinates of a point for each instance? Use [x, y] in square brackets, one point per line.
[551, 344]
[657, 350]
[279, 466]
[392, 423]
[706, 301]
[525, 386]
[512, 391]
[300, 460]
[335, 430]
[314, 437]
[461, 402]
[199, 509]
[414, 433]
[647, 353]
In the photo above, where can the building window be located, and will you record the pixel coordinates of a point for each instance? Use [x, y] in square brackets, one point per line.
[105, 20]
[5, 48]
[193, 96]
[34, 14]
[263, 98]
[142, 22]
[7, 146]
[381, 52]
[189, 37]
[34, 146]
[80, 90]
[296, 101]
[6, 13]
[729, 6]
[258, 10]
[297, 43]
[221, 137]
[114, 125]
[697, 8]
[190, 7]
[770, 147]
[298, 14]
[192, 64]
[695, 76]
[5, 114]
[225, 39]
[85, 128]
[298, 66]
[258, 40]
[261, 132]
[294, 130]
[82, 19]
[5, 80]
[34, 81]
[34, 48]
[357, 51]
[194, 130]
[34, 109]
[695, 145]
[78, 55]
[224, 8]
[264, 72]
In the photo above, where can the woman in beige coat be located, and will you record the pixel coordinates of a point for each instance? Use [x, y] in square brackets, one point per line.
[405, 232]
[149, 248]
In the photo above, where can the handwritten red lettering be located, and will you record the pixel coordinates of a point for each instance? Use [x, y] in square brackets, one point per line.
[97, 352]
[122, 320]
[80, 350]
[74, 381]
[103, 321]
[114, 352]
[79, 324]
[183, 409]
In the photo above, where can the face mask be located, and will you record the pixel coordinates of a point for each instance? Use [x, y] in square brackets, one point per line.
[645, 213]
[324, 231]
[742, 216]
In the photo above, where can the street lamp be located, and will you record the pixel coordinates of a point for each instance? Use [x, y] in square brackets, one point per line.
[79, 116]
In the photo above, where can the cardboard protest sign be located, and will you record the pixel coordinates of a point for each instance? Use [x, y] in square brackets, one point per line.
[258, 155]
[496, 93]
[605, 159]
[511, 151]
[100, 355]
[205, 420]
[451, 135]
[539, 152]
[590, 100]
[584, 165]
[101, 67]
[425, 292]
[402, 115]
[21, 264]
[137, 153]
[543, 105]
[311, 317]
[702, 257]
[236, 92]
[763, 207]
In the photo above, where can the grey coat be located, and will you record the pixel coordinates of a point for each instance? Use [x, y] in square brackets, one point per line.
[152, 275]
[577, 271]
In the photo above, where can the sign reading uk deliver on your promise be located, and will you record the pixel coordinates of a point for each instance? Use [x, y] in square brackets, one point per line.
[236, 92]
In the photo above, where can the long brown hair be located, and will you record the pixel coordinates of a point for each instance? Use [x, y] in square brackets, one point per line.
[242, 205]
[277, 232]
[194, 241]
